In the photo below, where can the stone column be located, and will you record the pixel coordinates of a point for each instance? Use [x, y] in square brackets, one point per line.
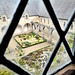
[32, 26]
[34, 29]
[42, 32]
[37, 29]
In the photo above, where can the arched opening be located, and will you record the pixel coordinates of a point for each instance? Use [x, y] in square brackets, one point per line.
[46, 31]
[27, 27]
[3, 29]
[36, 26]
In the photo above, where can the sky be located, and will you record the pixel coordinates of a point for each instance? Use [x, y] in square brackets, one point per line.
[34, 7]
[63, 8]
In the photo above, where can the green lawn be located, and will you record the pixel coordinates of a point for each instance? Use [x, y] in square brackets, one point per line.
[26, 40]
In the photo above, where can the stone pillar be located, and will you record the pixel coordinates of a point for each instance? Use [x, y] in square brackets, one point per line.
[32, 27]
[42, 32]
[37, 29]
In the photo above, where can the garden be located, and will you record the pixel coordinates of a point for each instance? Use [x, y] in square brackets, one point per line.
[70, 40]
[26, 40]
[34, 62]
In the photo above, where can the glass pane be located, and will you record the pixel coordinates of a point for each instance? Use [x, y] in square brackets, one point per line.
[33, 39]
[63, 10]
[70, 35]
[60, 60]
[7, 9]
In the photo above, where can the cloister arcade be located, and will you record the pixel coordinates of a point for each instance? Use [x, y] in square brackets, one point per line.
[28, 25]
[43, 30]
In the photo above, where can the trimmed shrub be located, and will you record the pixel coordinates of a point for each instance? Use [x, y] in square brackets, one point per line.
[27, 43]
[61, 48]
[22, 62]
[20, 54]
[70, 41]
[21, 50]
[20, 36]
[51, 47]
[33, 34]
[44, 39]
[37, 37]
[72, 36]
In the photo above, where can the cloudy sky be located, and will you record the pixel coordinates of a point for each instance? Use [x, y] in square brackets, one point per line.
[63, 8]
[34, 7]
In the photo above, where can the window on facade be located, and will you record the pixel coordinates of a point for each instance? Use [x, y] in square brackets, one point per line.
[44, 20]
[48, 21]
[41, 19]
[26, 16]
[4, 19]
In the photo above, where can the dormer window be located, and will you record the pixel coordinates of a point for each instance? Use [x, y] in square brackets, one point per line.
[48, 21]
[4, 19]
[26, 16]
[44, 20]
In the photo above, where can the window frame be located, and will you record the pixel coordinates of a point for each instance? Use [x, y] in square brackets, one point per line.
[61, 39]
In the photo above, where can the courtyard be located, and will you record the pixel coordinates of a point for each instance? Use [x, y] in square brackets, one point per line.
[32, 44]
[26, 40]
[31, 52]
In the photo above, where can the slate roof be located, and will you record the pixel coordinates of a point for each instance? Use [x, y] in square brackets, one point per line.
[63, 8]
[7, 7]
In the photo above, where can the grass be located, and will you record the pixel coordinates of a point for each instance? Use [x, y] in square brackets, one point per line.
[27, 40]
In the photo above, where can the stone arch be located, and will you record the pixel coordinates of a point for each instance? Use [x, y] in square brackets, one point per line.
[27, 27]
[33, 25]
[36, 24]
[3, 29]
[18, 30]
[55, 35]
[46, 30]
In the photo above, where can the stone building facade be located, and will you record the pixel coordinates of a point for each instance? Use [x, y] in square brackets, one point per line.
[37, 24]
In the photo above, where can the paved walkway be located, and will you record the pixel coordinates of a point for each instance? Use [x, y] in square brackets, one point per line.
[12, 44]
[27, 50]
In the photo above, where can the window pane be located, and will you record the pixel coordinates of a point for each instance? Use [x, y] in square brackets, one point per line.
[60, 60]
[7, 9]
[70, 35]
[33, 40]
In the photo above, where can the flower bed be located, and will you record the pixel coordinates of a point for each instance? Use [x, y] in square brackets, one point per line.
[26, 40]
[35, 61]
